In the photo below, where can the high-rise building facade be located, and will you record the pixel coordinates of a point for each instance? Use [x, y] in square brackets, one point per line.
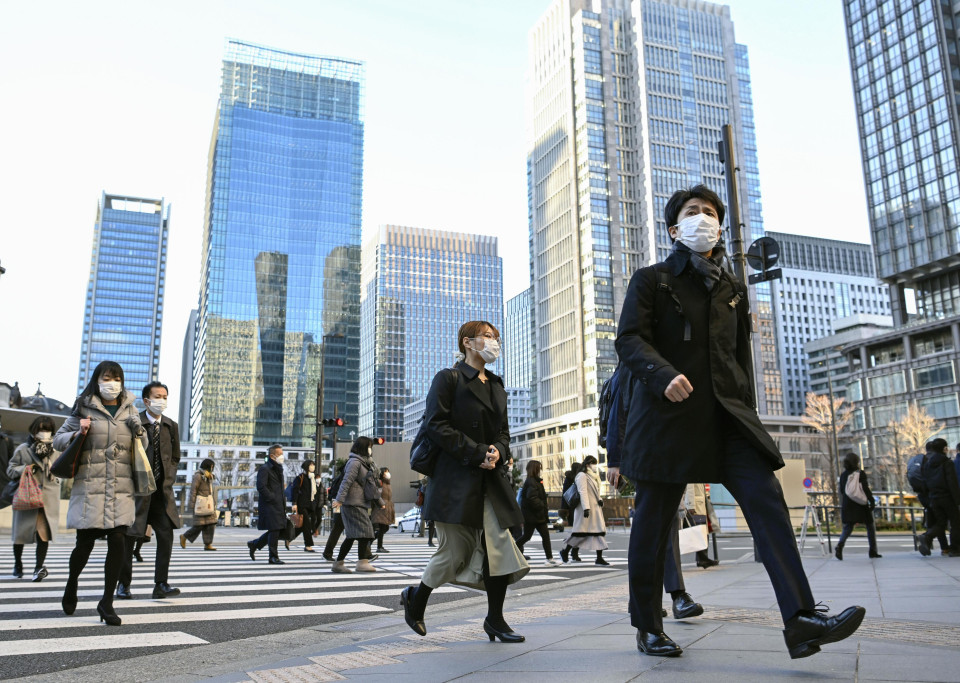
[280, 267]
[519, 344]
[823, 280]
[186, 376]
[418, 287]
[625, 106]
[123, 312]
[903, 56]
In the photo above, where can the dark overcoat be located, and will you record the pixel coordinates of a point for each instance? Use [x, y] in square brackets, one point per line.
[170, 455]
[533, 501]
[679, 327]
[852, 512]
[271, 506]
[464, 417]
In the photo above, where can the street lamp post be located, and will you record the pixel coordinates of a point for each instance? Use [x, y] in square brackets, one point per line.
[833, 426]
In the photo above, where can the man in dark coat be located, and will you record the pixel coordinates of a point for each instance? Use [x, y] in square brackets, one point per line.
[159, 510]
[271, 506]
[943, 489]
[684, 335]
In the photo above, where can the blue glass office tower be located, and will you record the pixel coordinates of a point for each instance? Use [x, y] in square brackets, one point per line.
[123, 312]
[280, 268]
[419, 286]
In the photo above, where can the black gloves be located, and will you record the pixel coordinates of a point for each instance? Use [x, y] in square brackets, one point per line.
[586, 513]
[600, 503]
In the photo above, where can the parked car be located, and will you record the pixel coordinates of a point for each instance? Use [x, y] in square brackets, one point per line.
[410, 521]
[553, 519]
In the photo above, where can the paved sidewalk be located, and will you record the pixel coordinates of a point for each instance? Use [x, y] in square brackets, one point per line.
[911, 633]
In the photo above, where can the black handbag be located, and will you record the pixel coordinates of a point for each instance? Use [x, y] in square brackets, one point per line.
[9, 491]
[572, 497]
[423, 453]
[68, 463]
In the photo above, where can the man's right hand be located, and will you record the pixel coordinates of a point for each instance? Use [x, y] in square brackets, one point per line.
[85, 425]
[679, 389]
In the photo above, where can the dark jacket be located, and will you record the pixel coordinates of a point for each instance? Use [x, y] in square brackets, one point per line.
[533, 501]
[852, 512]
[302, 491]
[679, 442]
[271, 504]
[940, 478]
[170, 455]
[464, 418]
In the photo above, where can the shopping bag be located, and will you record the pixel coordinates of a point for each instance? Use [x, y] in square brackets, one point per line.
[29, 495]
[203, 506]
[693, 539]
[144, 483]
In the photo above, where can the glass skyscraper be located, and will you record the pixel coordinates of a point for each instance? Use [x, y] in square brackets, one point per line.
[626, 103]
[280, 267]
[419, 287]
[123, 312]
[519, 346]
[903, 55]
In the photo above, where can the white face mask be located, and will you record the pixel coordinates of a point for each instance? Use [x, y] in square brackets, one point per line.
[386, 476]
[701, 232]
[490, 351]
[592, 468]
[110, 390]
[279, 459]
[44, 437]
[157, 406]
[369, 451]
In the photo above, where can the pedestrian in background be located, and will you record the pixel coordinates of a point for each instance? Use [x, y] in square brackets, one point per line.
[533, 505]
[470, 496]
[940, 480]
[101, 501]
[271, 506]
[383, 517]
[915, 478]
[306, 494]
[566, 514]
[853, 512]
[336, 520]
[355, 502]
[159, 509]
[696, 505]
[40, 524]
[202, 486]
[589, 527]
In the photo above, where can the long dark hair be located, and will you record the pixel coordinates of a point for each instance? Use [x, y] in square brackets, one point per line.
[533, 468]
[362, 446]
[93, 386]
[851, 462]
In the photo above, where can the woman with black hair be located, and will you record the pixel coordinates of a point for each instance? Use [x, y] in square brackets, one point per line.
[384, 516]
[307, 492]
[38, 525]
[469, 496]
[589, 528]
[101, 501]
[355, 498]
[569, 479]
[206, 524]
[853, 512]
[533, 504]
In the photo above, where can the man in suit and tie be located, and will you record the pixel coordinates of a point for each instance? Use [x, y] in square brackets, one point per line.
[159, 509]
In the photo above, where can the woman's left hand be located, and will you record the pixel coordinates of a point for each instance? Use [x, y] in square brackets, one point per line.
[489, 462]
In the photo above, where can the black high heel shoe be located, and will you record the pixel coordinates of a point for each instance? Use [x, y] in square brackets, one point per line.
[504, 636]
[69, 602]
[107, 614]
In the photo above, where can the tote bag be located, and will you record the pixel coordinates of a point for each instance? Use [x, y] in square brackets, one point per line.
[29, 495]
[854, 489]
[144, 483]
[203, 506]
[693, 538]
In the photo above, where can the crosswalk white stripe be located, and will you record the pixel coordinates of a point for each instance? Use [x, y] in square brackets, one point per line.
[181, 601]
[42, 646]
[168, 617]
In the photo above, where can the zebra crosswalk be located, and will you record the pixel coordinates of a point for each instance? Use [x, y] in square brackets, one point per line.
[224, 596]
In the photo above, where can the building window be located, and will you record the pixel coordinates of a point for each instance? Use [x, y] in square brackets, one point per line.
[886, 385]
[883, 355]
[884, 415]
[857, 421]
[940, 407]
[933, 376]
[855, 391]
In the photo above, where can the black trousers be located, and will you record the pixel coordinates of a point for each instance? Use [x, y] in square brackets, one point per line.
[309, 524]
[163, 532]
[748, 476]
[672, 573]
[270, 538]
[336, 530]
[944, 511]
[543, 530]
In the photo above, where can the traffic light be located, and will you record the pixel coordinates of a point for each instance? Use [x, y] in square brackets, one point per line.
[379, 441]
[339, 422]
[333, 422]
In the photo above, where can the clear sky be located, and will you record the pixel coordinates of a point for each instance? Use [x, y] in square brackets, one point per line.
[120, 97]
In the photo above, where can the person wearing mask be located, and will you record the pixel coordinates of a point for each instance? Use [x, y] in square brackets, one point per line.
[202, 485]
[516, 531]
[533, 505]
[589, 528]
[336, 524]
[41, 524]
[101, 501]
[271, 506]
[569, 477]
[939, 478]
[470, 497]
[355, 500]
[853, 512]
[684, 337]
[915, 478]
[384, 516]
[159, 510]
[306, 490]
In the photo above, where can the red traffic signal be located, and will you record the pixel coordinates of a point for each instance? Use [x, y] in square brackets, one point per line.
[379, 441]
[339, 422]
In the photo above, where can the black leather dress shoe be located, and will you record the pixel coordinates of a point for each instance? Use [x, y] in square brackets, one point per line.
[809, 629]
[657, 645]
[123, 592]
[275, 560]
[685, 608]
[252, 547]
[164, 590]
[508, 636]
[416, 624]
[663, 613]
[706, 562]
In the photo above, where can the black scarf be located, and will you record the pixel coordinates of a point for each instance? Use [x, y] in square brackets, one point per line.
[709, 269]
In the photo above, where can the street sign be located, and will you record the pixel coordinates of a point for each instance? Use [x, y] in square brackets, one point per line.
[763, 254]
[765, 276]
[808, 483]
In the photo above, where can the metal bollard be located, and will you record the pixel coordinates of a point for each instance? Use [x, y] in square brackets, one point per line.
[913, 527]
[829, 536]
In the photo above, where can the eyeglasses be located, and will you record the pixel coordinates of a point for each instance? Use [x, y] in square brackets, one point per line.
[488, 335]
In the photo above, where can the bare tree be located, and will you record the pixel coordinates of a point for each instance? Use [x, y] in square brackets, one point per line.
[828, 420]
[909, 436]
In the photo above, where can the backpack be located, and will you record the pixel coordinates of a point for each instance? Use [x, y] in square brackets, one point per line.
[854, 489]
[288, 492]
[915, 473]
[335, 484]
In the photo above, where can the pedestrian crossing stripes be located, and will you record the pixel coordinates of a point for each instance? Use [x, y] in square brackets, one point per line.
[217, 590]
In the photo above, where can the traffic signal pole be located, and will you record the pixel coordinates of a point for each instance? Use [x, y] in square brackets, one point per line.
[730, 170]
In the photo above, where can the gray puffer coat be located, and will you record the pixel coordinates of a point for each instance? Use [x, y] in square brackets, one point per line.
[102, 496]
[25, 521]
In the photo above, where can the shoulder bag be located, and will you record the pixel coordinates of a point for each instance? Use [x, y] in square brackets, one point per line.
[203, 506]
[67, 464]
[854, 489]
[572, 496]
[423, 452]
[144, 483]
[29, 495]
